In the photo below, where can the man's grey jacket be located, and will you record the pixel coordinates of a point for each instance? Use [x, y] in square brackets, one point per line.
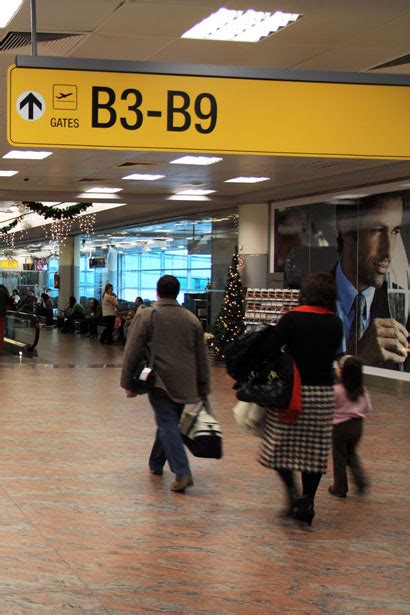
[181, 362]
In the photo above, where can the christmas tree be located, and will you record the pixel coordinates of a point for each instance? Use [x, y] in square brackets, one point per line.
[229, 323]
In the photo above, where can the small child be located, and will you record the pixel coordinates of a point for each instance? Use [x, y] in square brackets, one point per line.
[352, 404]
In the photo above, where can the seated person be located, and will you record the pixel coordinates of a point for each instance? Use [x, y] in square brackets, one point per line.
[92, 315]
[138, 304]
[27, 303]
[15, 297]
[74, 311]
[46, 309]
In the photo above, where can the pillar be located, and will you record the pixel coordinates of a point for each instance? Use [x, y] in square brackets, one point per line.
[253, 244]
[69, 270]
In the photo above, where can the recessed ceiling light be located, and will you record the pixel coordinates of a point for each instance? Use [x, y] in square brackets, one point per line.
[99, 195]
[105, 190]
[8, 173]
[201, 160]
[246, 180]
[349, 196]
[143, 177]
[27, 155]
[240, 26]
[8, 8]
[185, 197]
[196, 192]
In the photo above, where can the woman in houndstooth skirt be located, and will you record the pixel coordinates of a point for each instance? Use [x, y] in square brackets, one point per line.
[313, 333]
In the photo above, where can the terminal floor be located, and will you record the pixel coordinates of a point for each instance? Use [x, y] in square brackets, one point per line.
[84, 527]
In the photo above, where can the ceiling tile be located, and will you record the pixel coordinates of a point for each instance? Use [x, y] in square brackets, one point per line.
[168, 19]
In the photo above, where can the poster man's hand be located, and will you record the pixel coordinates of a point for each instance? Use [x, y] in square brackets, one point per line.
[385, 340]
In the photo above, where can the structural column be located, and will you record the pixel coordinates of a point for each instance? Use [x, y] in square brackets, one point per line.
[69, 270]
[253, 244]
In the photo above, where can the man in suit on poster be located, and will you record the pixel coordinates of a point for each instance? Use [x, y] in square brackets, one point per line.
[367, 240]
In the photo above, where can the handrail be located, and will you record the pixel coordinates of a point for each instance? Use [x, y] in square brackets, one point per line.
[34, 324]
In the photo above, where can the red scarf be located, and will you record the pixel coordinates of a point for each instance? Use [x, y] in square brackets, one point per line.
[292, 412]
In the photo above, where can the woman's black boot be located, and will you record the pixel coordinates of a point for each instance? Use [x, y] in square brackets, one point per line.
[304, 510]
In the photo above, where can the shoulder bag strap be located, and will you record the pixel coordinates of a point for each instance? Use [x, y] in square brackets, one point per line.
[153, 342]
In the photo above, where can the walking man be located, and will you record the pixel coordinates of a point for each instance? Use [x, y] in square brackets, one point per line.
[181, 373]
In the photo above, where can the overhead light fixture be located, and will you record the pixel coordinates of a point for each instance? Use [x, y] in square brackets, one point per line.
[349, 196]
[185, 197]
[8, 8]
[246, 180]
[240, 26]
[200, 160]
[143, 177]
[8, 173]
[196, 192]
[99, 195]
[27, 155]
[104, 190]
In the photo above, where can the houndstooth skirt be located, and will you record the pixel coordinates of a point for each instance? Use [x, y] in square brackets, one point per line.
[305, 444]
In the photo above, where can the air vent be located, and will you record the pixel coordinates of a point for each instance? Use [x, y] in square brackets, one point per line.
[319, 164]
[47, 41]
[396, 62]
[138, 164]
[92, 180]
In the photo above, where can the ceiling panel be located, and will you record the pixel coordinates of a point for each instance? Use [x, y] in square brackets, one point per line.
[111, 47]
[66, 15]
[170, 20]
[267, 54]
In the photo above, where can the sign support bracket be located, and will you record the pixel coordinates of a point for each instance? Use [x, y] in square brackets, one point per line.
[33, 27]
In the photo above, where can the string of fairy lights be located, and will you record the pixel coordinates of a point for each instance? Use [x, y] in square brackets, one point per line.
[57, 222]
[230, 321]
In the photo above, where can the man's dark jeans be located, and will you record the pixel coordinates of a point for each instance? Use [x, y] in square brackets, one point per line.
[168, 443]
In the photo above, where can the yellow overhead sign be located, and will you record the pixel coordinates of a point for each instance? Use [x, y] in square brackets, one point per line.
[139, 111]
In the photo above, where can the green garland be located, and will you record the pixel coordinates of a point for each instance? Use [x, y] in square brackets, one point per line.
[47, 211]
[11, 225]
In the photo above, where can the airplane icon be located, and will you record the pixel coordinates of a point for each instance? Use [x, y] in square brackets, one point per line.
[62, 95]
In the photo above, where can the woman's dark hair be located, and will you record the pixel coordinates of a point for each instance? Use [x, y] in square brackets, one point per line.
[319, 289]
[107, 286]
[72, 301]
[352, 378]
[168, 287]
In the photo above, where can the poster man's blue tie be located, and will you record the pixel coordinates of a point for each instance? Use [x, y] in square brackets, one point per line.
[357, 328]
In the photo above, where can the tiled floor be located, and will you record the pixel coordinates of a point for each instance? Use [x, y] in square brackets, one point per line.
[84, 528]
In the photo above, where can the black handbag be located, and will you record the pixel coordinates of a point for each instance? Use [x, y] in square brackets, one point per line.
[143, 378]
[270, 384]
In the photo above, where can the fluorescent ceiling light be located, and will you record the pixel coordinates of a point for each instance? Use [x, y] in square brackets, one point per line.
[349, 196]
[246, 180]
[196, 192]
[185, 197]
[201, 160]
[105, 190]
[143, 177]
[240, 26]
[100, 195]
[27, 155]
[8, 173]
[8, 8]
